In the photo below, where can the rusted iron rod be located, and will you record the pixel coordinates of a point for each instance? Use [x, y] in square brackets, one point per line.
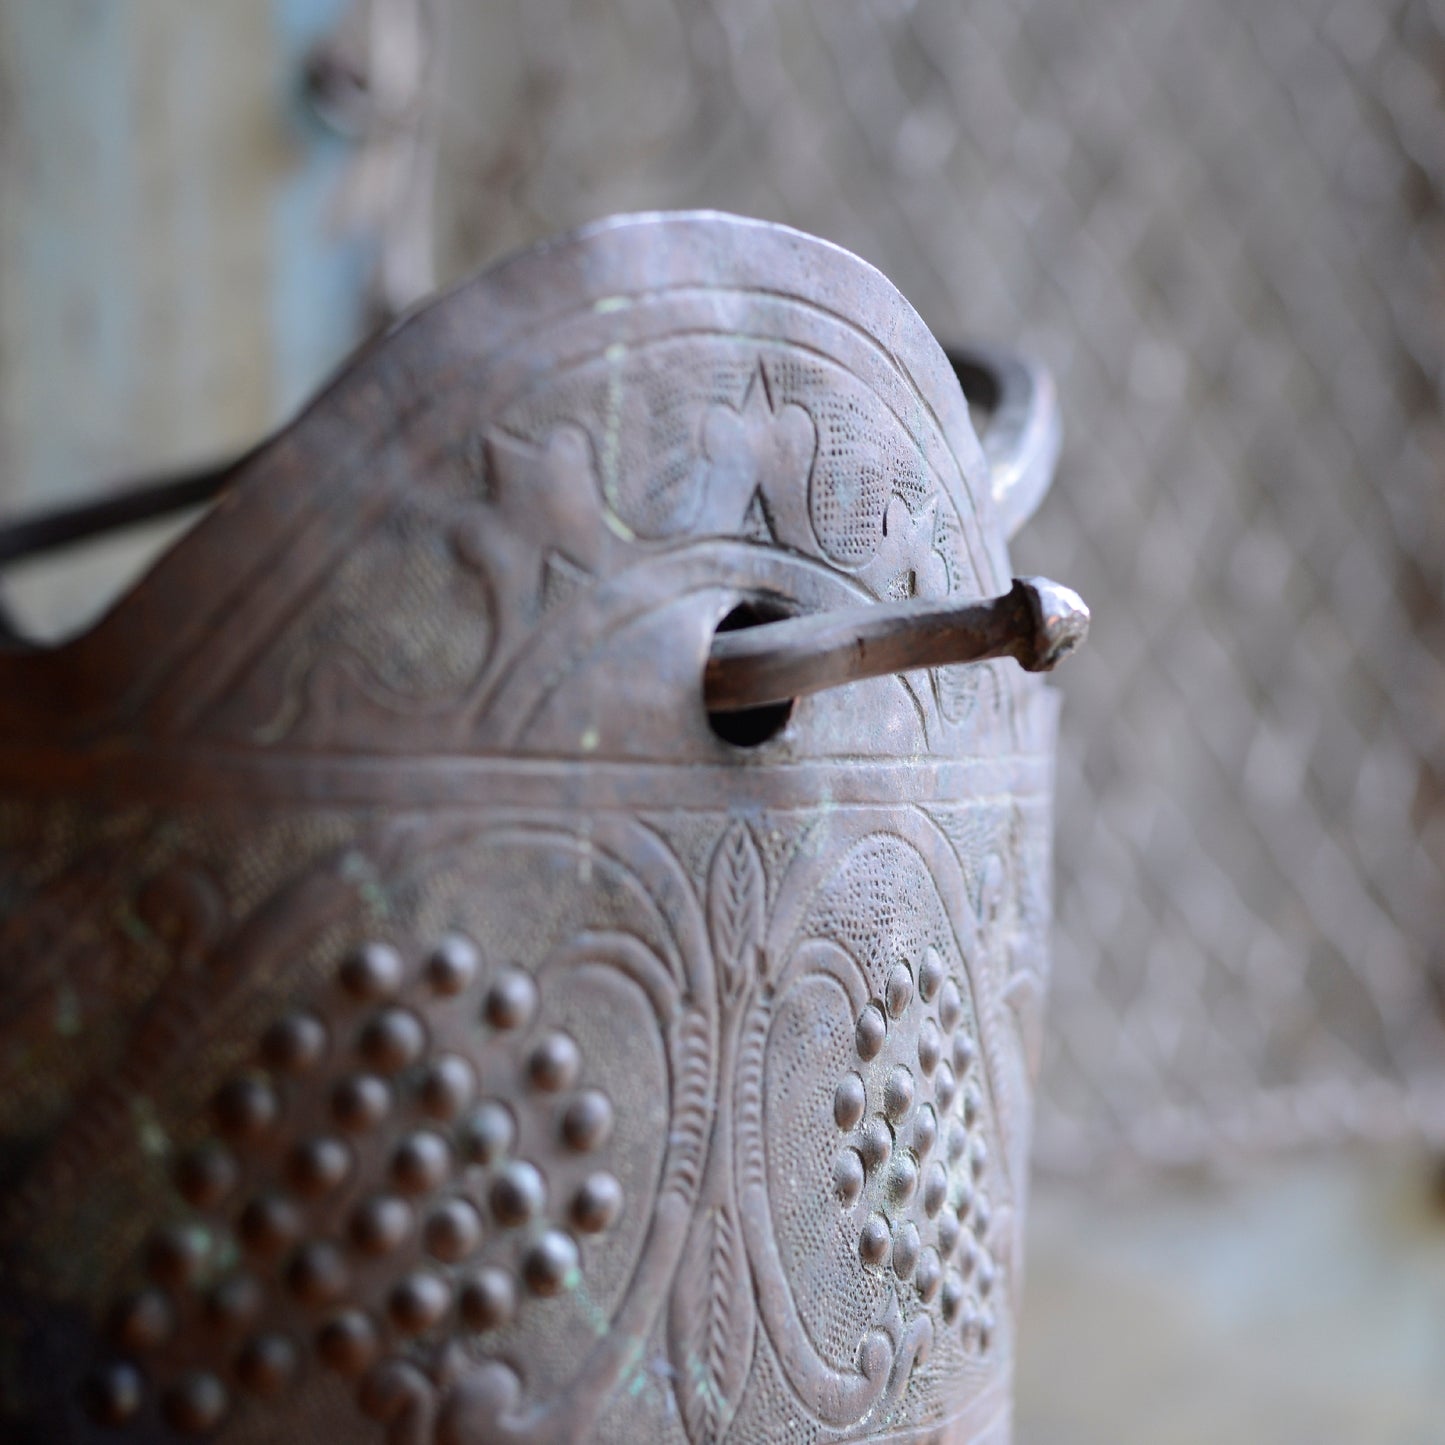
[50, 531]
[1038, 622]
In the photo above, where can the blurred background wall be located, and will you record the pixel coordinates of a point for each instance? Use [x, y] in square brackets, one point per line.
[1220, 223]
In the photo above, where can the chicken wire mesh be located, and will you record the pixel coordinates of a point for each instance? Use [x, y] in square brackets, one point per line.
[1219, 222]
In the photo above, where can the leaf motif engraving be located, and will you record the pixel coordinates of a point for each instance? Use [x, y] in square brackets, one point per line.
[759, 457]
[713, 1325]
[736, 907]
[693, 1114]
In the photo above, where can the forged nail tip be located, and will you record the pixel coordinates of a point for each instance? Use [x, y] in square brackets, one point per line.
[1061, 622]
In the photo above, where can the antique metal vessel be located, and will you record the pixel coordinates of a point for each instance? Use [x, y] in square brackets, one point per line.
[504, 938]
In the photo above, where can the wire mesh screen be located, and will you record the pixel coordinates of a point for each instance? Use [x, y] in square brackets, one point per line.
[1219, 222]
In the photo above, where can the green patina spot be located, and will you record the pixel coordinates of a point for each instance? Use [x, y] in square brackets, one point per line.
[376, 899]
[136, 930]
[152, 1137]
[356, 867]
[226, 1255]
[67, 1012]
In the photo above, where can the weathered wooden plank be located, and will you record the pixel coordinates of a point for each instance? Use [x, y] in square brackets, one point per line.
[175, 271]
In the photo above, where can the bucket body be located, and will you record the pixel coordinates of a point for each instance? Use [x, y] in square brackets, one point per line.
[419, 1020]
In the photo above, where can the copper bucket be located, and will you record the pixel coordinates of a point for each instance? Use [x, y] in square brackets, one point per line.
[527, 925]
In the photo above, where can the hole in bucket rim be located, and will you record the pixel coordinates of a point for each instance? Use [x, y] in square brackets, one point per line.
[753, 726]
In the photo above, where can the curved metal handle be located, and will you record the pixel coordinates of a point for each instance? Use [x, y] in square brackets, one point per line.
[1037, 621]
[124, 506]
[1022, 435]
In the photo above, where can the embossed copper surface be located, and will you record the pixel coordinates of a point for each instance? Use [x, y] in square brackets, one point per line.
[418, 1022]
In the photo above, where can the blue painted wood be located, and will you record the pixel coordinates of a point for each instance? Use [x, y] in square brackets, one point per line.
[176, 271]
[321, 269]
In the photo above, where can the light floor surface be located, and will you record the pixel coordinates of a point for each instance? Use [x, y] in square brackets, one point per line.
[1297, 1304]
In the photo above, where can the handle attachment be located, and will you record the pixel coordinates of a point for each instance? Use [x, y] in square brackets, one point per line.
[1022, 433]
[1038, 622]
